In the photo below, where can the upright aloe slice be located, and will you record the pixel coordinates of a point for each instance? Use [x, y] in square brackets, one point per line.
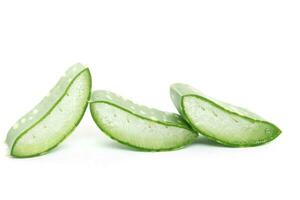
[221, 122]
[139, 126]
[54, 118]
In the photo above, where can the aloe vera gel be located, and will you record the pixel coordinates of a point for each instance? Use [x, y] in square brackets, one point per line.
[139, 126]
[224, 123]
[54, 118]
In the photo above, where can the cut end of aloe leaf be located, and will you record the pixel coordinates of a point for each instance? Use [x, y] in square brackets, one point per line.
[54, 118]
[224, 123]
[139, 126]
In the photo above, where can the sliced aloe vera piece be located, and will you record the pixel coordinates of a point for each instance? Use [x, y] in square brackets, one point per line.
[54, 118]
[224, 123]
[139, 126]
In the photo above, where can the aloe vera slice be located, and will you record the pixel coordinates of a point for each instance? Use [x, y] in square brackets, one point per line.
[54, 118]
[139, 126]
[224, 123]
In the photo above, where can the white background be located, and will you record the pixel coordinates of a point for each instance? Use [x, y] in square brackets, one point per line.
[242, 52]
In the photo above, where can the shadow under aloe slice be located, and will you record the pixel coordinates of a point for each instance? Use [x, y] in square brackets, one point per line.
[221, 122]
[139, 126]
[54, 118]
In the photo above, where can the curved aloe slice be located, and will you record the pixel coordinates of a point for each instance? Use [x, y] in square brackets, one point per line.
[221, 122]
[54, 118]
[139, 126]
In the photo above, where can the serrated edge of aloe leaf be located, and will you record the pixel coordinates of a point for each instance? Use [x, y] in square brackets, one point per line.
[144, 118]
[49, 111]
[185, 116]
